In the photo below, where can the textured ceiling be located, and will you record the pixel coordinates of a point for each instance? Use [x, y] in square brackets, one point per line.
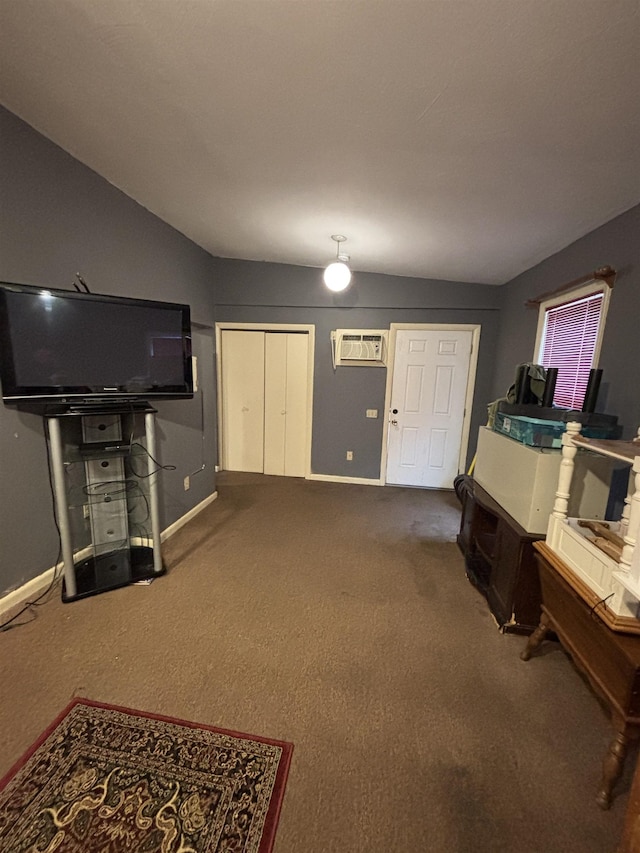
[446, 139]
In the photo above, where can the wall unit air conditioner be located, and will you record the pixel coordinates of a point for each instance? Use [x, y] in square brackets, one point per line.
[359, 347]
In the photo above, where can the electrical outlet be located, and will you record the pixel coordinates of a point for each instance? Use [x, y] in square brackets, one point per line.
[349, 455]
[187, 483]
[372, 413]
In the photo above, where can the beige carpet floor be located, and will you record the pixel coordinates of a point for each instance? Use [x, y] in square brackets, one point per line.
[339, 617]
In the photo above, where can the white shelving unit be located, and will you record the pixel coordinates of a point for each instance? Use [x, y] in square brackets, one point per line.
[615, 584]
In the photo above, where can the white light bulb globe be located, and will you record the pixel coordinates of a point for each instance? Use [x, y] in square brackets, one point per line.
[337, 276]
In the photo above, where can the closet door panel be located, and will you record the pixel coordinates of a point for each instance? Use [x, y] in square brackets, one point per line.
[296, 406]
[243, 394]
[275, 402]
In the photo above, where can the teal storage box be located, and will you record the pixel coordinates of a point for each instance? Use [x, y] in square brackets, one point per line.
[536, 432]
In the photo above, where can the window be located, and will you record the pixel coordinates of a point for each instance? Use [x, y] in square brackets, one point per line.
[570, 330]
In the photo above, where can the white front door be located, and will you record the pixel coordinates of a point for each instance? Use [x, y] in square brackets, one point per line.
[428, 393]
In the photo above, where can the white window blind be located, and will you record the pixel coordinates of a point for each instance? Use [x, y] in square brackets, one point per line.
[569, 342]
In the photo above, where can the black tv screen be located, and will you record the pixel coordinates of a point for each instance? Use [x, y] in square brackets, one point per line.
[63, 346]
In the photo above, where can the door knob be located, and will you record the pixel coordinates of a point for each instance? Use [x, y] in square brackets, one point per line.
[394, 423]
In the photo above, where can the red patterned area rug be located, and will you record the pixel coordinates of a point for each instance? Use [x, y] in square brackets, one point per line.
[109, 779]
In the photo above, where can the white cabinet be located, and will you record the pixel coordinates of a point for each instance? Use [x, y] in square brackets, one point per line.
[523, 480]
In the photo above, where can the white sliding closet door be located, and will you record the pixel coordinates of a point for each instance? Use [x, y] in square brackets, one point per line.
[264, 402]
[285, 410]
[243, 400]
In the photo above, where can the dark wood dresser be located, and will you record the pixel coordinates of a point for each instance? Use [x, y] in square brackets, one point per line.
[499, 559]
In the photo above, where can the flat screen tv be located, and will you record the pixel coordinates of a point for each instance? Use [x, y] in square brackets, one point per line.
[68, 348]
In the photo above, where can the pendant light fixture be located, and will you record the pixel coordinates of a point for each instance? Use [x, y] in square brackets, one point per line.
[338, 275]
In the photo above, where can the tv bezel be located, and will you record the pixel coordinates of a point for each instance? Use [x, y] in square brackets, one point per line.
[36, 397]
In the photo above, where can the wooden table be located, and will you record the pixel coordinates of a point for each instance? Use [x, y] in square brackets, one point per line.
[609, 659]
[630, 842]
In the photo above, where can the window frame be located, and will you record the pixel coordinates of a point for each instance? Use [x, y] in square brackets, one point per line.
[596, 285]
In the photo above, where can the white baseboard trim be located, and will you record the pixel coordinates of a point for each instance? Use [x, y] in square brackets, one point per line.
[173, 528]
[330, 478]
[32, 588]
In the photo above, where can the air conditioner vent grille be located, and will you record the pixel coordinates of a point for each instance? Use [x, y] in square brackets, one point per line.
[354, 348]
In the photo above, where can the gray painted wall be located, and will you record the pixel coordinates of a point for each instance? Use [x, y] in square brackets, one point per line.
[58, 217]
[618, 244]
[248, 292]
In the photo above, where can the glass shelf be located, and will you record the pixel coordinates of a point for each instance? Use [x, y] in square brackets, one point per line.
[106, 497]
[104, 492]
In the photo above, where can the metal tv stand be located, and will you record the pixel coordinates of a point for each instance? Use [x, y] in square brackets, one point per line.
[105, 483]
